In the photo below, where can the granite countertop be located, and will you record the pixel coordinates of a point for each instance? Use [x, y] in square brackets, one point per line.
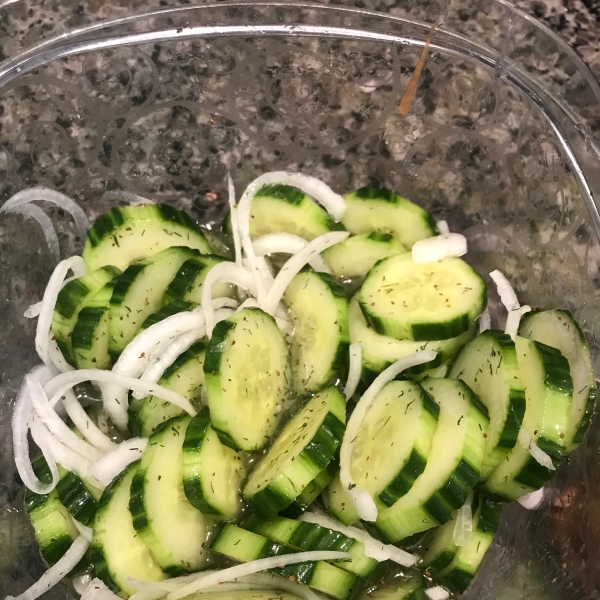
[25, 22]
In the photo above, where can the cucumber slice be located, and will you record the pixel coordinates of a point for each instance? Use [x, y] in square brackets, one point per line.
[71, 300]
[340, 503]
[488, 365]
[439, 548]
[379, 351]
[127, 234]
[212, 472]
[139, 292]
[168, 310]
[172, 529]
[549, 393]
[457, 576]
[434, 301]
[391, 448]
[357, 255]
[453, 464]
[319, 345]
[90, 335]
[78, 496]
[379, 209]
[245, 396]
[411, 589]
[53, 526]
[304, 447]
[185, 376]
[312, 491]
[307, 537]
[246, 546]
[117, 551]
[278, 208]
[560, 330]
[254, 594]
[187, 283]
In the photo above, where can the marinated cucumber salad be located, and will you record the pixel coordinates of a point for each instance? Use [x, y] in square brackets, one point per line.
[309, 402]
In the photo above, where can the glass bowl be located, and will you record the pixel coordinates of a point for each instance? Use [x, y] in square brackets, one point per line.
[501, 140]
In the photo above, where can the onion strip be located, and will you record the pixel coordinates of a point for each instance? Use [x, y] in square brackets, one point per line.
[55, 452]
[107, 467]
[287, 243]
[526, 440]
[54, 286]
[364, 504]
[373, 548]
[86, 426]
[44, 221]
[47, 195]
[437, 593]
[57, 426]
[354, 370]
[55, 573]
[21, 418]
[255, 566]
[221, 272]
[463, 526]
[98, 590]
[65, 381]
[295, 264]
[439, 247]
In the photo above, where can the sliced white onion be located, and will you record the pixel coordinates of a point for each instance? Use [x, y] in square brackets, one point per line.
[224, 302]
[54, 286]
[33, 310]
[526, 440]
[221, 272]
[86, 426]
[129, 197]
[439, 247]
[85, 531]
[508, 297]
[56, 356]
[55, 573]
[98, 590]
[106, 468]
[322, 193]
[22, 414]
[174, 350]
[373, 548]
[65, 381]
[44, 221]
[532, 500]
[255, 566]
[463, 527]
[505, 290]
[47, 195]
[55, 452]
[295, 264]
[235, 228]
[364, 504]
[354, 370]
[442, 227]
[140, 352]
[287, 243]
[56, 425]
[485, 321]
[81, 583]
[437, 593]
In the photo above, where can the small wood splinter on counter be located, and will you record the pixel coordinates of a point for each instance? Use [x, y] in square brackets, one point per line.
[414, 80]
